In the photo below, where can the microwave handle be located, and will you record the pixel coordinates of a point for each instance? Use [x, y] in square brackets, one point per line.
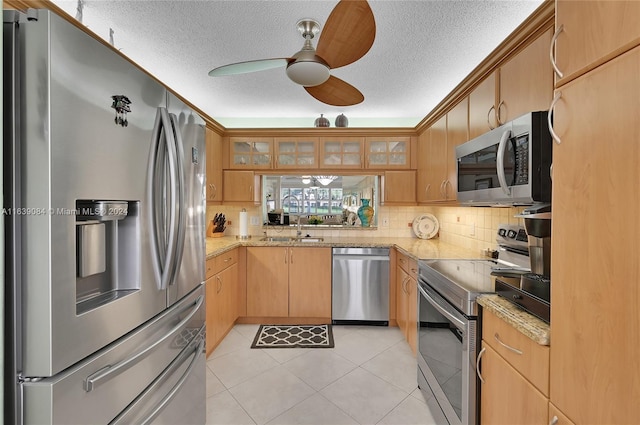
[500, 162]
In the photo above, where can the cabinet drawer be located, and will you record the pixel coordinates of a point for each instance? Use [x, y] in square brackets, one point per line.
[525, 355]
[209, 267]
[408, 264]
[223, 261]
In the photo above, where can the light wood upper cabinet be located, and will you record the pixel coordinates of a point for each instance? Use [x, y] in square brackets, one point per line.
[522, 84]
[526, 81]
[241, 186]
[388, 152]
[506, 397]
[214, 166]
[342, 152]
[289, 282]
[592, 33]
[296, 152]
[482, 104]
[595, 322]
[457, 134]
[433, 171]
[250, 152]
[437, 166]
[399, 188]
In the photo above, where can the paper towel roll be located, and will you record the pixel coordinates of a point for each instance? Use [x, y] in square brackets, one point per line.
[244, 225]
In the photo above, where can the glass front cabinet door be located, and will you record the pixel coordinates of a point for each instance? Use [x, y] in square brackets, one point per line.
[296, 152]
[387, 152]
[250, 152]
[341, 152]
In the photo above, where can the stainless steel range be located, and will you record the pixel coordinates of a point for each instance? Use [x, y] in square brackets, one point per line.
[448, 334]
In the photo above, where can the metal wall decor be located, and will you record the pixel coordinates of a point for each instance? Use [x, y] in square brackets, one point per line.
[321, 121]
[342, 121]
[121, 105]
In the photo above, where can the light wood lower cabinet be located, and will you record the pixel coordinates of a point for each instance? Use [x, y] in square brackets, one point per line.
[556, 417]
[289, 282]
[506, 396]
[515, 375]
[595, 323]
[221, 297]
[407, 299]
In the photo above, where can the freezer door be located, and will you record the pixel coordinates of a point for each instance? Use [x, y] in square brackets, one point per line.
[190, 135]
[148, 375]
[81, 288]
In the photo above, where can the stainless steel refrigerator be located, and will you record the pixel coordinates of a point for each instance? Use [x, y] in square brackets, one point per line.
[104, 209]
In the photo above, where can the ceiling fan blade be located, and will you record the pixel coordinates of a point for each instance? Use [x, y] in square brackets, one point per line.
[348, 34]
[248, 66]
[336, 92]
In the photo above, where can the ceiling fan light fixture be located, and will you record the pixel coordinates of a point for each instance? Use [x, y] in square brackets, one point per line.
[308, 74]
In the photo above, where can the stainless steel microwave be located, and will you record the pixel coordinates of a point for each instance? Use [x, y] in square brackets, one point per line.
[510, 165]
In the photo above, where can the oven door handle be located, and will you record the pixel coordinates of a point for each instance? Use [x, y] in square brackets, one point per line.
[443, 310]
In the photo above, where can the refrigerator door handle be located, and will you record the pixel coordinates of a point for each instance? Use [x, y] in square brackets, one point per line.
[181, 235]
[157, 409]
[110, 371]
[161, 199]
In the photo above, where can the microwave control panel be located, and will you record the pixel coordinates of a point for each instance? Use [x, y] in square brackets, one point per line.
[520, 146]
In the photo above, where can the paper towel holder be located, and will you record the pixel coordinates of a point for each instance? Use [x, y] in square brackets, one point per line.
[243, 237]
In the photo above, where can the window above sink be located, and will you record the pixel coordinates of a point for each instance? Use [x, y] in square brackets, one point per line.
[318, 200]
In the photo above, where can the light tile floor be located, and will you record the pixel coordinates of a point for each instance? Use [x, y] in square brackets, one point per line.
[368, 378]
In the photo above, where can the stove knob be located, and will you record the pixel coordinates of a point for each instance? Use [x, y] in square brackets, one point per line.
[502, 232]
[512, 234]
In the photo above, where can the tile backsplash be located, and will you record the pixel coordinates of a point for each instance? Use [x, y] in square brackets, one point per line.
[469, 227]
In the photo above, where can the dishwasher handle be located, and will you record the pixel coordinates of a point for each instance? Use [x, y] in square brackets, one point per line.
[364, 257]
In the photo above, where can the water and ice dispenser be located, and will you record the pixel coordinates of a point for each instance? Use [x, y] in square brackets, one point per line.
[107, 251]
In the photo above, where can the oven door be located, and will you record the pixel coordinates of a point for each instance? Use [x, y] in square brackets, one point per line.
[446, 356]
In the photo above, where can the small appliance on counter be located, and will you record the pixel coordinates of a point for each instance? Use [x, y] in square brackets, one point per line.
[532, 291]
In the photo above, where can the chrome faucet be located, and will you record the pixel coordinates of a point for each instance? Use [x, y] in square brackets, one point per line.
[298, 204]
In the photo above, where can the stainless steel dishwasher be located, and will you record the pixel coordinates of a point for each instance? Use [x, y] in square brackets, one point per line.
[360, 286]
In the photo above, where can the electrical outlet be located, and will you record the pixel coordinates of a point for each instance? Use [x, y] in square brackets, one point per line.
[410, 224]
[254, 220]
[385, 222]
[472, 229]
[228, 222]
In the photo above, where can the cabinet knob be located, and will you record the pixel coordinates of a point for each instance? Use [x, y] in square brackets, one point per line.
[554, 420]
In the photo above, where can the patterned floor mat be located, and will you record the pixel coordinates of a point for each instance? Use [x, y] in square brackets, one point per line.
[296, 336]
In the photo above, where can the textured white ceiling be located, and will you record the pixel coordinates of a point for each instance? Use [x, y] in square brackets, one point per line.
[422, 50]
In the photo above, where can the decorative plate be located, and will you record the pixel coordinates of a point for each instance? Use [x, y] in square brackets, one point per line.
[426, 226]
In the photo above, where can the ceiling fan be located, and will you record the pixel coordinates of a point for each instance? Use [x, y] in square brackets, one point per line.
[347, 36]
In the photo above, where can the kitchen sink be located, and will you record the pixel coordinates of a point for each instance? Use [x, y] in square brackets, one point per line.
[277, 239]
[308, 239]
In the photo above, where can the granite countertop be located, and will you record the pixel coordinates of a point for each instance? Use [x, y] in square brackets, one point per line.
[414, 247]
[524, 322]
